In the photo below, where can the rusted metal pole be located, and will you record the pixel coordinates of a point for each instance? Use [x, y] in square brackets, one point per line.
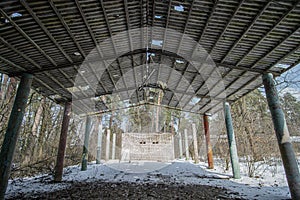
[13, 130]
[283, 137]
[208, 144]
[85, 152]
[195, 141]
[62, 143]
[231, 141]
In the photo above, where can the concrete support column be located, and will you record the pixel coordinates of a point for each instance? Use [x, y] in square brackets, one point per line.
[99, 144]
[195, 141]
[85, 152]
[113, 152]
[62, 143]
[13, 130]
[186, 139]
[107, 145]
[180, 145]
[232, 144]
[283, 137]
[208, 144]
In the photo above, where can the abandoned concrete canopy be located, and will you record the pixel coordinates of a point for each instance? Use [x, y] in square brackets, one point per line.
[200, 53]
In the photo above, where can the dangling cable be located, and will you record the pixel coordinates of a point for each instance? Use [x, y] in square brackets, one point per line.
[147, 47]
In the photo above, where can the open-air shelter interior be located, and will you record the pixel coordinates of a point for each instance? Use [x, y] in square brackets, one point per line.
[200, 53]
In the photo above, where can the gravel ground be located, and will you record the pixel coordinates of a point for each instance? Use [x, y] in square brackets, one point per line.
[125, 190]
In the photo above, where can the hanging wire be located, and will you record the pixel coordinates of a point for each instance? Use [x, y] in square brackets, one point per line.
[147, 47]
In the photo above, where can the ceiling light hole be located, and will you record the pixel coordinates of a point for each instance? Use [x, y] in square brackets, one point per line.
[179, 8]
[179, 61]
[157, 42]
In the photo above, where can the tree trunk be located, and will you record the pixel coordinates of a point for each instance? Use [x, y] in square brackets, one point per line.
[37, 117]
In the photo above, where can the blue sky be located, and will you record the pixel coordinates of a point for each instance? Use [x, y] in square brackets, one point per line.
[290, 82]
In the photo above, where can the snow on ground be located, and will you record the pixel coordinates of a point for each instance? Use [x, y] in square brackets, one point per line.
[270, 185]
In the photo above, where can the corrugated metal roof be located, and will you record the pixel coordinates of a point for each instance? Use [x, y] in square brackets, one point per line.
[202, 49]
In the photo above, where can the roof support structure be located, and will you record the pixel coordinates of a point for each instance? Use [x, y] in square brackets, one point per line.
[94, 40]
[114, 47]
[36, 45]
[13, 130]
[255, 64]
[62, 143]
[88, 128]
[156, 51]
[74, 40]
[226, 26]
[131, 46]
[283, 137]
[178, 48]
[195, 143]
[231, 141]
[208, 144]
[52, 39]
[267, 34]
[267, 70]
[246, 31]
[21, 68]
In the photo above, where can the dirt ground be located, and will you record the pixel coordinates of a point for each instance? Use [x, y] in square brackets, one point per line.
[107, 190]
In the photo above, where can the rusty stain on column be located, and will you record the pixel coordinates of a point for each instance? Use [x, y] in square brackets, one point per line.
[208, 144]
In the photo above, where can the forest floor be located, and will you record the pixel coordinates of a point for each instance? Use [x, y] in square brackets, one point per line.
[151, 180]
